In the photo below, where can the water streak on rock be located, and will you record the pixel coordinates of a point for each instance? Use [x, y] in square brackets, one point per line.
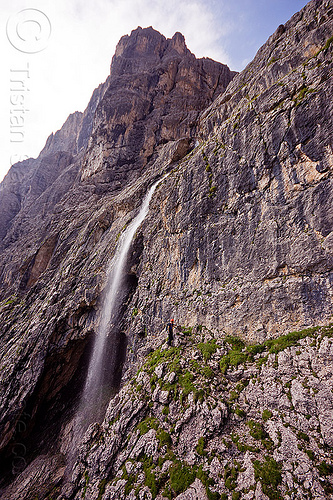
[96, 385]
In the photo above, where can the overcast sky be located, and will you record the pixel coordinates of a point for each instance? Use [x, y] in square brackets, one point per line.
[57, 52]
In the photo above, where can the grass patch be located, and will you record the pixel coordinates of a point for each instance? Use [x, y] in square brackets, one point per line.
[261, 361]
[200, 447]
[230, 476]
[101, 488]
[302, 435]
[266, 415]
[236, 343]
[233, 358]
[237, 356]
[130, 484]
[207, 349]
[204, 370]
[242, 446]
[185, 381]
[256, 430]
[212, 191]
[239, 412]
[86, 478]
[158, 357]
[326, 46]
[255, 349]
[328, 43]
[325, 469]
[272, 60]
[288, 340]
[8, 302]
[187, 330]
[166, 411]
[269, 473]
[181, 477]
[304, 91]
[163, 437]
[147, 424]
[150, 481]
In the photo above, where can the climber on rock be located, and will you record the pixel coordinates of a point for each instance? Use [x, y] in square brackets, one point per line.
[169, 329]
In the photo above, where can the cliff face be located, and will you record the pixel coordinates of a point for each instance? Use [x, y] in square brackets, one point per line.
[64, 213]
[246, 226]
[54, 171]
[236, 247]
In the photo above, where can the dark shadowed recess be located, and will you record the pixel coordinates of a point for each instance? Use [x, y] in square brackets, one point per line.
[56, 397]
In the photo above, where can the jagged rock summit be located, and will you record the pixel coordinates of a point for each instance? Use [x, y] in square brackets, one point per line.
[156, 89]
[145, 49]
[236, 247]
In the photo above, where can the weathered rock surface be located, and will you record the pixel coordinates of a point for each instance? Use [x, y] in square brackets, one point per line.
[236, 422]
[246, 223]
[238, 240]
[54, 171]
[156, 90]
[62, 221]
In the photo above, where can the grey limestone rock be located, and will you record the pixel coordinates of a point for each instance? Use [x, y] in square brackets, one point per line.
[237, 244]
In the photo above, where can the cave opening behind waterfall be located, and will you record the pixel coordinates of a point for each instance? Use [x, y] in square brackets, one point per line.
[48, 409]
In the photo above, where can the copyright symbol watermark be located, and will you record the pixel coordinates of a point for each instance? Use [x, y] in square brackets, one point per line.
[29, 31]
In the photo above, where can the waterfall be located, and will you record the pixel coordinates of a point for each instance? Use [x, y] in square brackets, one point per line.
[92, 406]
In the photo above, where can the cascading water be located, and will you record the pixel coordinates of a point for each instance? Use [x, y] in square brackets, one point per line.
[97, 390]
[92, 405]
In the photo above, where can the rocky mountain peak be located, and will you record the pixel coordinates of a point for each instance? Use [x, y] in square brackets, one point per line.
[65, 139]
[178, 44]
[150, 76]
[144, 49]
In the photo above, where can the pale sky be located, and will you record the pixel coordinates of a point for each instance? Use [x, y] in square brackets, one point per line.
[55, 53]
